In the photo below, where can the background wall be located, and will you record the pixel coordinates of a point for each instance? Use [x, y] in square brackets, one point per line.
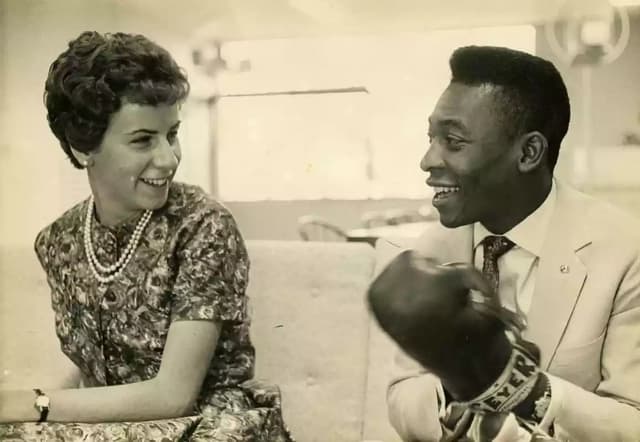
[614, 90]
[615, 109]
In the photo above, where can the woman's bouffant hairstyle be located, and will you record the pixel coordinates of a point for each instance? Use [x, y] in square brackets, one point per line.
[88, 82]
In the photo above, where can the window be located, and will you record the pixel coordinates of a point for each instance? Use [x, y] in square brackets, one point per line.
[282, 135]
[292, 147]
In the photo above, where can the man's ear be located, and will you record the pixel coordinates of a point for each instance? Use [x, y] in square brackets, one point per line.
[533, 151]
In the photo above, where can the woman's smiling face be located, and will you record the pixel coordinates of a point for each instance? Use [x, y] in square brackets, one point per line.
[133, 167]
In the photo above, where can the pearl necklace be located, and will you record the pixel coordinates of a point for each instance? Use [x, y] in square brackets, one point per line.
[103, 273]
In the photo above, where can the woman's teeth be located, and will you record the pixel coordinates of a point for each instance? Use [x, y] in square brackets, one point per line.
[442, 191]
[157, 182]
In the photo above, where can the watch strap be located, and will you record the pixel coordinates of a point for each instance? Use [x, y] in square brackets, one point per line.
[43, 409]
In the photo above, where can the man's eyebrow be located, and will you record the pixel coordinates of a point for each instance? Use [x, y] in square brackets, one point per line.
[449, 122]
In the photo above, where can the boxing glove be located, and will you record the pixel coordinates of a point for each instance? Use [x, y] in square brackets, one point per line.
[448, 319]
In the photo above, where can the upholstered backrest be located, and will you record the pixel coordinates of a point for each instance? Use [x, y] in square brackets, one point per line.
[310, 329]
[381, 355]
[30, 354]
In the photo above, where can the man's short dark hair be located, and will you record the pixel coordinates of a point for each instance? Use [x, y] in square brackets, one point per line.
[530, 94]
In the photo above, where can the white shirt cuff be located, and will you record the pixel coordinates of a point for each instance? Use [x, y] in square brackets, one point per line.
[444, 409]
[557, 395]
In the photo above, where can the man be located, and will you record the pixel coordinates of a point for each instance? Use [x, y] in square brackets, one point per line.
[573, 266]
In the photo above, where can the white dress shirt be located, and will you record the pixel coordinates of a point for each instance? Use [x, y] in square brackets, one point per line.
[518, 267]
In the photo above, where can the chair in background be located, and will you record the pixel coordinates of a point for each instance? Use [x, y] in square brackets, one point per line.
[396, 217]
[314, 228]
[374, 218]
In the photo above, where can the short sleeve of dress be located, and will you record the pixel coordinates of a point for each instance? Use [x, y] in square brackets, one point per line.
[213, 272]
[46, 253]
[40, 246]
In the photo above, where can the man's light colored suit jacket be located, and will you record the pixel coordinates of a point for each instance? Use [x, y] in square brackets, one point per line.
[584, 316]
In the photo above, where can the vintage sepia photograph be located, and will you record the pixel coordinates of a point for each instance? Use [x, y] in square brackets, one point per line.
[320, 220]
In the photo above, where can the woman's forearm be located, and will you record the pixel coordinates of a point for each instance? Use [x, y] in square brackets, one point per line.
[140, 401]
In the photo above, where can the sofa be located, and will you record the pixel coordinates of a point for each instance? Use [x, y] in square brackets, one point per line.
[313, 335]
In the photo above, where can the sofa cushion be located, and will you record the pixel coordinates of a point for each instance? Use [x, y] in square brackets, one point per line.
[381, 355]
[310, 330]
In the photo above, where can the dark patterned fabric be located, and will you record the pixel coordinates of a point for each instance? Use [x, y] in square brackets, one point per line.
[190, 264]
[261, 421]
[177, 429]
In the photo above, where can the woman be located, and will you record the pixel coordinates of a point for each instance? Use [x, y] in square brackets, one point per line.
[147, 276]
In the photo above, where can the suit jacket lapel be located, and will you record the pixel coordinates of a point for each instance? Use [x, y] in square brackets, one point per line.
[560, 274]
[559, 278]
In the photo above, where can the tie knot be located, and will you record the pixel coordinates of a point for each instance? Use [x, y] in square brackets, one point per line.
[496, 246]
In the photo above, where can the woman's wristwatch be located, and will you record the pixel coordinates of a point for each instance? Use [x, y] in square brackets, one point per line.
[42, 404]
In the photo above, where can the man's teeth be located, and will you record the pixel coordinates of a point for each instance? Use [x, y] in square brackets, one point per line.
[444, 190]
[155, 181]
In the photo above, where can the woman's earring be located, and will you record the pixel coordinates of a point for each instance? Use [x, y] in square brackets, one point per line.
[87, 163]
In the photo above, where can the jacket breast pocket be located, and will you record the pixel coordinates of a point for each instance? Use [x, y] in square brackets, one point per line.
[580, 364]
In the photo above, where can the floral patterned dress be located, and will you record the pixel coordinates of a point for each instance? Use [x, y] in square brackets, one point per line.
[190, 264]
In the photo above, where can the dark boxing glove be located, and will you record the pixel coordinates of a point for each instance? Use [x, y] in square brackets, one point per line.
[430, 311]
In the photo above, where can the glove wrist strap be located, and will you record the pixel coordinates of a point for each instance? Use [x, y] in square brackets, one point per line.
[513, 385]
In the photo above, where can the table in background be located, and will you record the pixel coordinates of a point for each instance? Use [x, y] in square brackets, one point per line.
[371, 235]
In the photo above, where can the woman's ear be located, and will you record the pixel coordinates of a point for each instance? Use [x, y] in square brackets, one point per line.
[533, 151]
[83, 158]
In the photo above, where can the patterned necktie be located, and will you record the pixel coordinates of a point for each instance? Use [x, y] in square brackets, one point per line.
[494, 247]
